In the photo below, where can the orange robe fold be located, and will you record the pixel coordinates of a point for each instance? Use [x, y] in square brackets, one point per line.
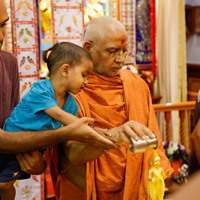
[120, 174]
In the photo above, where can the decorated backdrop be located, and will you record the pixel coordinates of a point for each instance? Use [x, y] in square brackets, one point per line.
[26, 49]
[26, 43]
[67, 21]
[138, 17]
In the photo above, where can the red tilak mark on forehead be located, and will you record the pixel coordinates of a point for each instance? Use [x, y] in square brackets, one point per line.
[122, 41]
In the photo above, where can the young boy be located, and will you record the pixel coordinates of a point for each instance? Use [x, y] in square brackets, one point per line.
[48, 104]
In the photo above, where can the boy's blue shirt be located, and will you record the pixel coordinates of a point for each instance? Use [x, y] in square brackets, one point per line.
[28, 115]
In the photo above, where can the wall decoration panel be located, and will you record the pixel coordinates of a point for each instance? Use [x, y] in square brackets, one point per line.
[67, 20]
[138, 17]
[24, 14]
[30, 189]
[27, 62]
[127, 18]
[25, 37]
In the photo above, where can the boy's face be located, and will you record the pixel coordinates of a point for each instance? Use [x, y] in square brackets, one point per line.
[77, 76]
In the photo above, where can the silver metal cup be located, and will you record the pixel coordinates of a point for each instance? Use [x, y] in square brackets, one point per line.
[141, 146]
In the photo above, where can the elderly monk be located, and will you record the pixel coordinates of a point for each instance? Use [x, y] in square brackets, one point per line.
[119, 101]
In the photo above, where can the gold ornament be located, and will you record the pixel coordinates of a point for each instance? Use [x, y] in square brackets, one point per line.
[27, 67]
[25, 13]
[26, 40]
[157, 177]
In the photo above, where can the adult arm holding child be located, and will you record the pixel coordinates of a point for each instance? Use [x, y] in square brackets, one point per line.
[25, 141]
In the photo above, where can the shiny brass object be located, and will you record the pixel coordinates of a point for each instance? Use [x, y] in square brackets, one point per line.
[141, 146]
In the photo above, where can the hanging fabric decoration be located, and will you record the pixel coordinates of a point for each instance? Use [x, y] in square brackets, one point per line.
[127, 18]
[26, 43]
[153, 37]
[67, 21]
[26, 49]
[138, 17]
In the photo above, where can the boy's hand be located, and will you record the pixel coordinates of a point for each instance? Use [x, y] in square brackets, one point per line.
[82, 132]
[103, 132]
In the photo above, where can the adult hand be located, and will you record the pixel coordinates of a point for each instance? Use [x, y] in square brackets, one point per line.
[196, 141]
[130, 129]
[82, 132]
[32, 163]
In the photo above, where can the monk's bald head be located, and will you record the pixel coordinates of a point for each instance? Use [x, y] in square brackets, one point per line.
[3, 19]
[101, 27]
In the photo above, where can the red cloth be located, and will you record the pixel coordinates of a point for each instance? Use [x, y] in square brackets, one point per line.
[49, 185]
[153, 37]
[120, 174]
[9, 85]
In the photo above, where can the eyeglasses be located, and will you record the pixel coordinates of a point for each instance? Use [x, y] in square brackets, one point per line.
[117, 54]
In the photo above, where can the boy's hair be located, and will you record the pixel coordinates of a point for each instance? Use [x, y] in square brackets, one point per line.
[64, 53]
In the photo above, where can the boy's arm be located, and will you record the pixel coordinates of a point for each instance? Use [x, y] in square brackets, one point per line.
[61, 116]
[66, 118]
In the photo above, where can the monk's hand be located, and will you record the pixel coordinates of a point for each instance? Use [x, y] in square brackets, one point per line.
[196, 141]
[32, 162]
[129, 129]
[82, 131]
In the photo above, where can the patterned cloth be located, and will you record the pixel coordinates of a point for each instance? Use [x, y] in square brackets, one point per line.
[25, 18]
[67, 21]
[135, 15]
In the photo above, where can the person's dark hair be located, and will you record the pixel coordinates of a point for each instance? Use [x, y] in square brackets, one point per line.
[64, 53]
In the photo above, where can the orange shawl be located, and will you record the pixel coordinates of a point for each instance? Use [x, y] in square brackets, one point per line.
[111, 101]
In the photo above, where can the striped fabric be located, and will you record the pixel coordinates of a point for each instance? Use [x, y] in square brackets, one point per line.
[138, 17]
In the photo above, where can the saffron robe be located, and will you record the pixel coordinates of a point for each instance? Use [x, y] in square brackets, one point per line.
[120, 174]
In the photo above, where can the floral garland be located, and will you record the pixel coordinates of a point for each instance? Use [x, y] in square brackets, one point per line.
[175, 151]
